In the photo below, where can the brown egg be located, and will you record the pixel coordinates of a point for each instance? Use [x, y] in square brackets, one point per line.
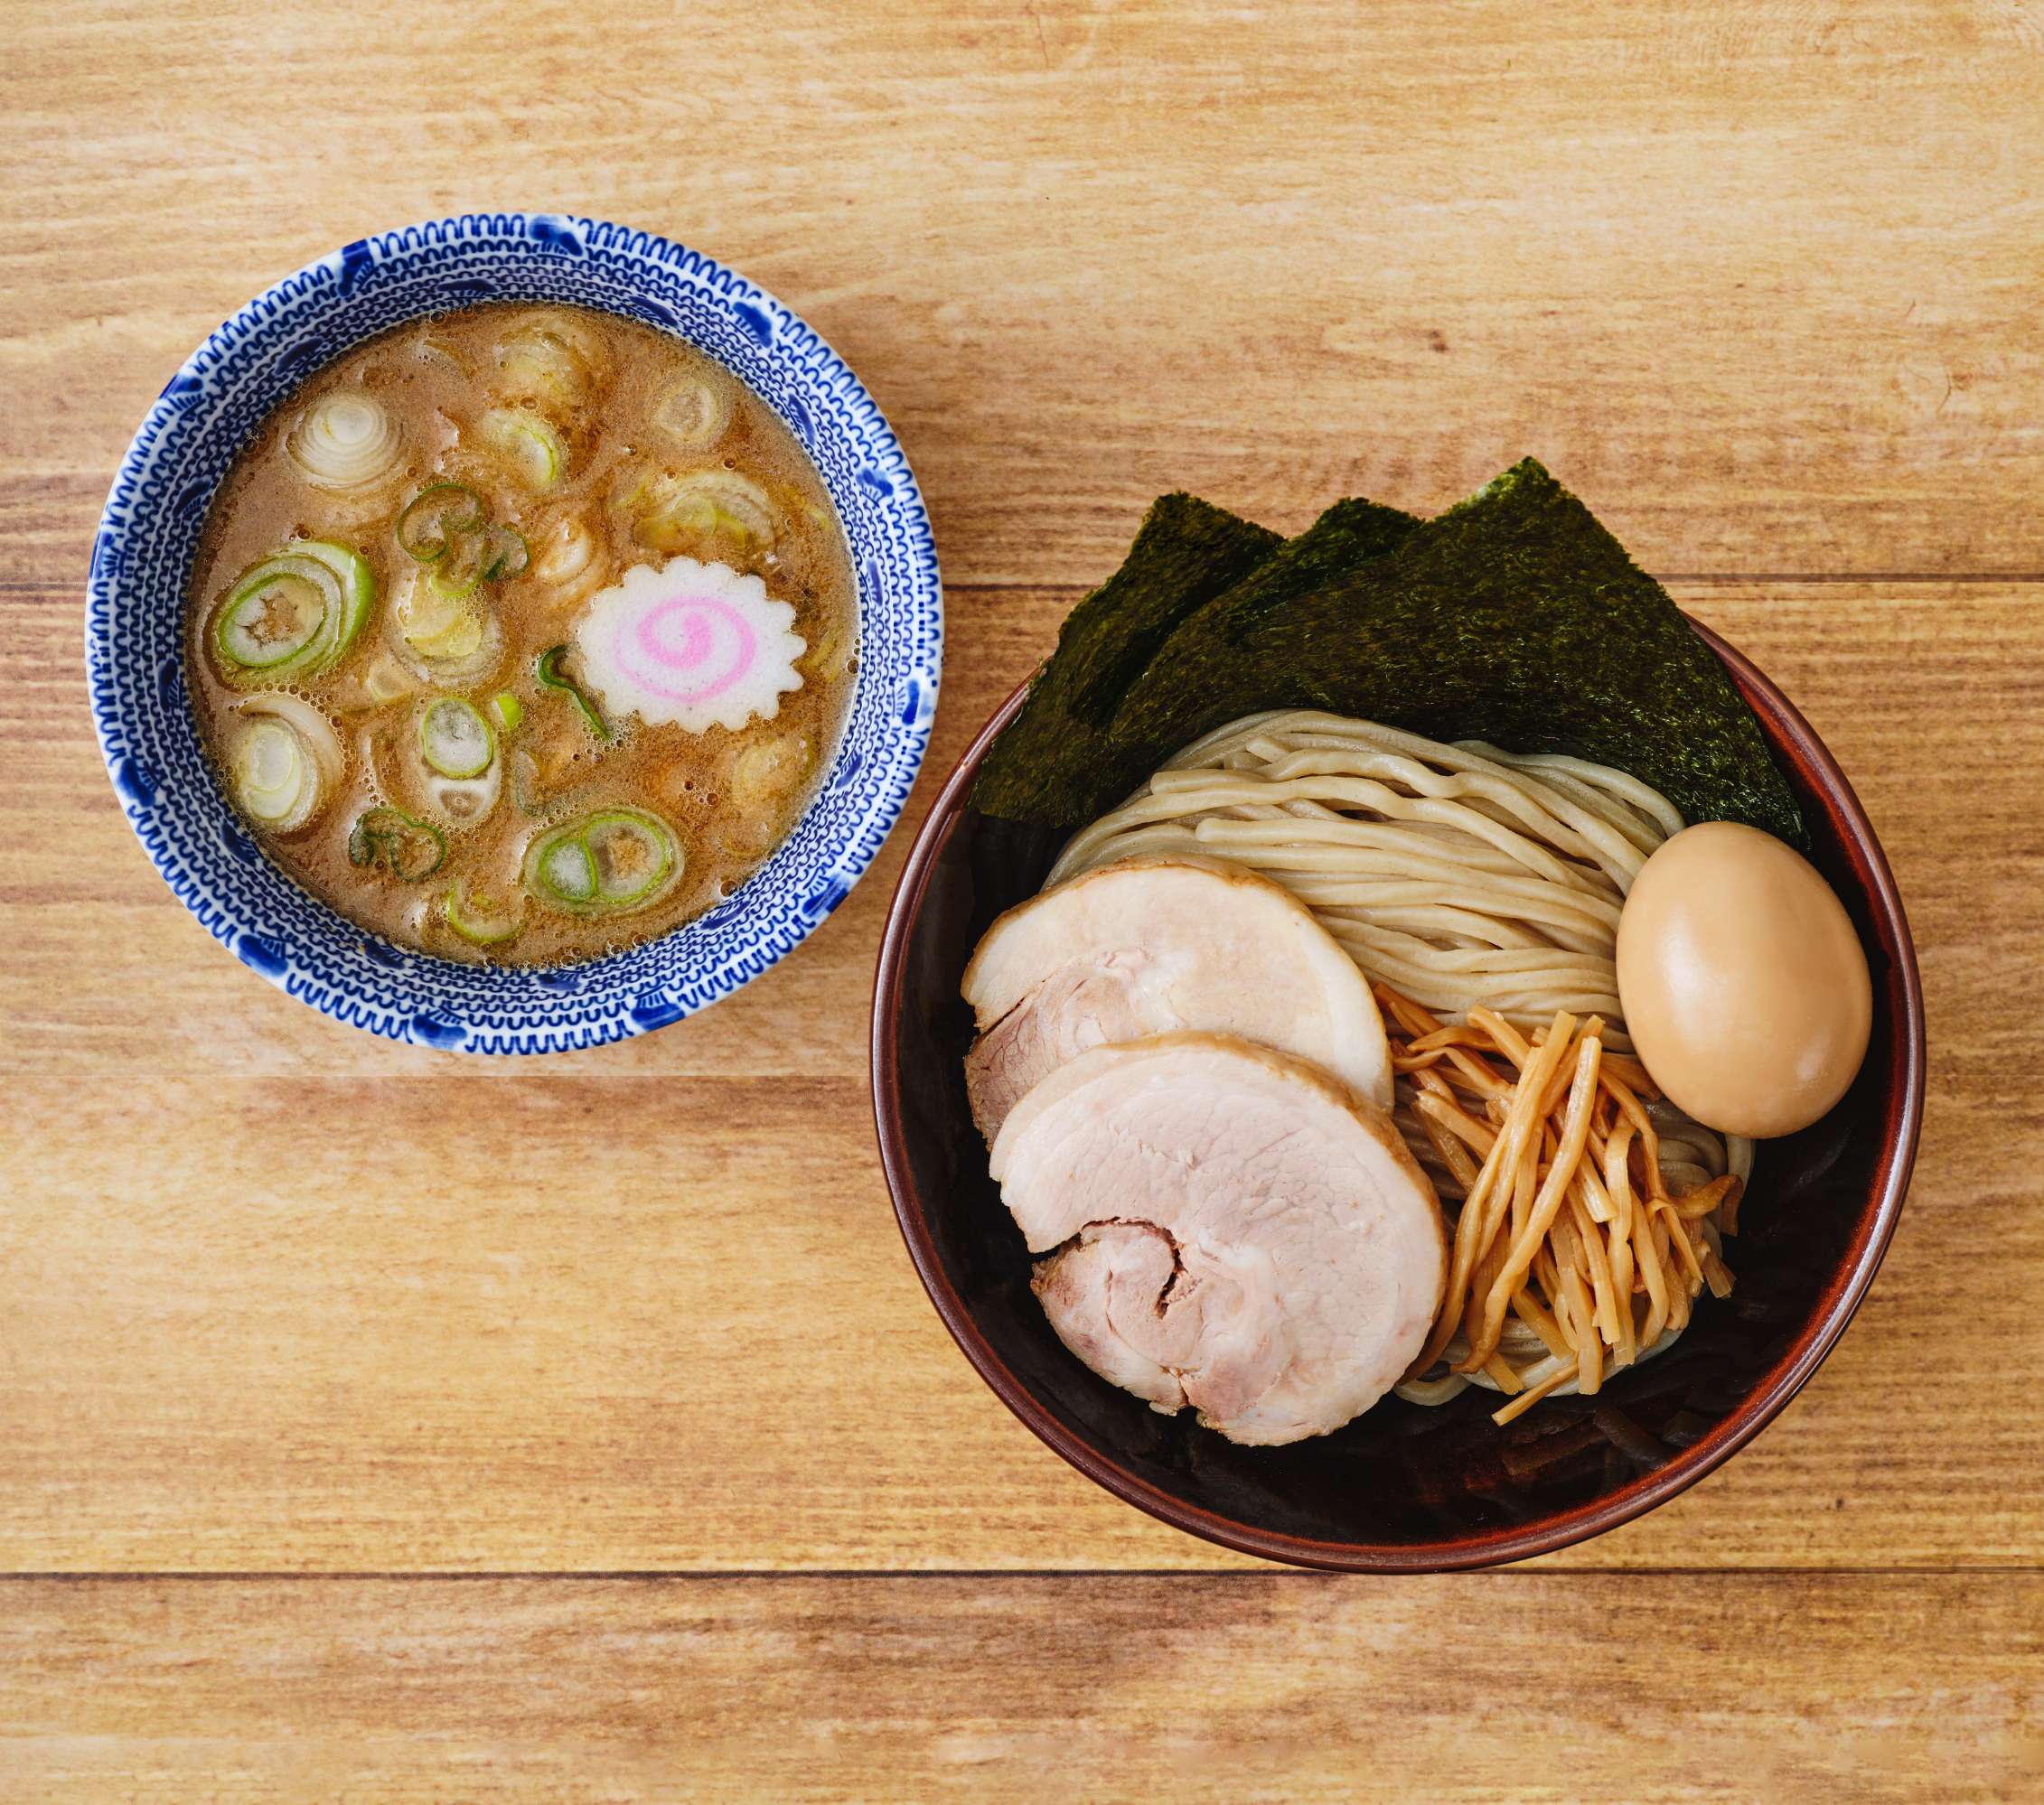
[1744, 987]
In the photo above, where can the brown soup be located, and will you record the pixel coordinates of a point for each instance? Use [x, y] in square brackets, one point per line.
[521, 634]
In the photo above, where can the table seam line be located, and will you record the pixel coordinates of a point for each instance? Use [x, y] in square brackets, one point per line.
[242, 1576]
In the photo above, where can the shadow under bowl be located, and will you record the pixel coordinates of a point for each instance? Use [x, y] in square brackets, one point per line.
[1404, 1488]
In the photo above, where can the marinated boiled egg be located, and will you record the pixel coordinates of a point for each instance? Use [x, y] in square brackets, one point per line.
[1745, 989]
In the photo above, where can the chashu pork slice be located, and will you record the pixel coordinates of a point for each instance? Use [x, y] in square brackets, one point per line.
[1149, 945]
[1226, 1227]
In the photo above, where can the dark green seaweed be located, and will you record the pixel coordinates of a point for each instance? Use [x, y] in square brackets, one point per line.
[1186, 553]
[1512, 618]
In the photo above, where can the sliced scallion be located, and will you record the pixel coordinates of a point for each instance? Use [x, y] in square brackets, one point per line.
[570, 560]
[569, 873]
[673, 513]
[387, 680]
[507, 709]
[615, 860]
[633, 854]
[548, 672]
[462, 801]
[436, 518]
[506, 555]
[454, 739]
[455, 772]
[275, 612]
[528, 446]
[477, 917]
[554, 359]
[345, 441]
[439, 633]
[694, 411]
[293, 613]
[322, 762]
[409, 849]
[358, 589]
[465, 564]
[275, 780]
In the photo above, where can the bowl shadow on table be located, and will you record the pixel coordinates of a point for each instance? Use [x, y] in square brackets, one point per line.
[1439, 1480]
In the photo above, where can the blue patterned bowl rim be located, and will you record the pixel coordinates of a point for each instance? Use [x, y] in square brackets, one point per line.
[148, 534]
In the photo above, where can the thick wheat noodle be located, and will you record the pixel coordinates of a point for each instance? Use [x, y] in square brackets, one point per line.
[1519, 999]
[1439, 910]
[1534, 809]
[1593, 784]
[1502, 959]
[1579, 830]
[1443, 922]
[1394, 847]
[1197, 793]
[1217, 791]
[1411, 826]
[1265, 737]
[1503, 951]
[1528, 999]
[1588, 918]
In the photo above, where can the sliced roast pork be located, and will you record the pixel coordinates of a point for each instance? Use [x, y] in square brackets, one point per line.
[1226, 1227]
[1150, 945]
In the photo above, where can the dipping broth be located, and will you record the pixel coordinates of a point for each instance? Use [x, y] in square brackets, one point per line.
[521, 634]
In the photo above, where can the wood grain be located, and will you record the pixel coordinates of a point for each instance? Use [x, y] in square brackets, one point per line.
[1760, 280]
[1648, 1690]
[304, 1300]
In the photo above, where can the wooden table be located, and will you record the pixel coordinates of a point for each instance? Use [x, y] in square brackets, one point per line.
[379, 1425]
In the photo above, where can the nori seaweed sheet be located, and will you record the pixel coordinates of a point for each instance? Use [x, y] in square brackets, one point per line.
[1514, 618]
[1186, 553]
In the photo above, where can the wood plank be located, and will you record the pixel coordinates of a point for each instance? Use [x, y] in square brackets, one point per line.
[292, 1297]
[1760, 281]
[284, 1301]
[1651, 1689]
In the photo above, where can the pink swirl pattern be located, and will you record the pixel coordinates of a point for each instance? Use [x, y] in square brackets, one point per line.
[688, 648]
[697, 645]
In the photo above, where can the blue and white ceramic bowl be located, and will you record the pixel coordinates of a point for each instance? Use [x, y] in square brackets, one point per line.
[141, 563]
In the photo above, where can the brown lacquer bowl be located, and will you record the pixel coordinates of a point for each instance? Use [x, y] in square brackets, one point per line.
[1404, 1488]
